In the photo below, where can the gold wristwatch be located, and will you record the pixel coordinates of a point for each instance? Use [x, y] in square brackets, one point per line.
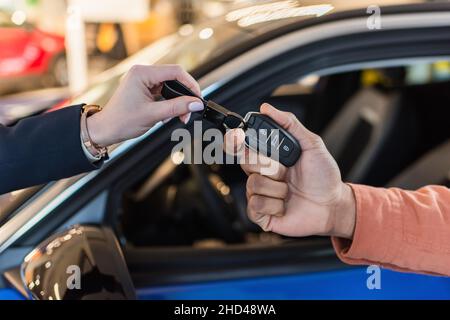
[94, 149]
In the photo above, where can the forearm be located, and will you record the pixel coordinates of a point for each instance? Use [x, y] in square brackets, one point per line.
[403, 230]
[49, 147]
[41, 149]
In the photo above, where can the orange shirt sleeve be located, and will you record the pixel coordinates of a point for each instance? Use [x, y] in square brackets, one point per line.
[403, 230]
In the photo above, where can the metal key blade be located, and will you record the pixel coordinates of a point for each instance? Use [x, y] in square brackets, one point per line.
[221, 116]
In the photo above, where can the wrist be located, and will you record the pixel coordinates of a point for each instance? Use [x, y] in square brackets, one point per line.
[97, 130]
[344, 215]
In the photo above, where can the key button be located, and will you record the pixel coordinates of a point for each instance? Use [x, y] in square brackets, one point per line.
[286, 148]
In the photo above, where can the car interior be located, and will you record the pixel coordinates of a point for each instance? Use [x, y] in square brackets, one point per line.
[385, 127]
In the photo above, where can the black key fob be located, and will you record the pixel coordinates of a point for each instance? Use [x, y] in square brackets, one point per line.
[265, 136]
[173, 89]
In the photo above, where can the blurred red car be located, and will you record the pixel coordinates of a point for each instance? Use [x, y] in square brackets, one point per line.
[27, 53]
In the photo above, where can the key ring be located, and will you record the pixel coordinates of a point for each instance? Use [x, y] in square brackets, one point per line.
[242, 124]
[213, 112]
[223, 117]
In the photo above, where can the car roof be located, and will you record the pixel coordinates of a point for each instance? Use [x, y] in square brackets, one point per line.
[255, 22]
[232, 37]
[262, 16]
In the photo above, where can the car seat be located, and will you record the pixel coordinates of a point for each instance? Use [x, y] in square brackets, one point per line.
[357, 134]
[432, 168]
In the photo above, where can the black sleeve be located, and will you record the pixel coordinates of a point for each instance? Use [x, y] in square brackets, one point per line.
[41, 149]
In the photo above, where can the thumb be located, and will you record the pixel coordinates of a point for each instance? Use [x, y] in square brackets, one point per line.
[234, 141]
[306, 138]
[176, 107]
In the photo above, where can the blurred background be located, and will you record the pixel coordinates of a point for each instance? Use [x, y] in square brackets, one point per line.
[53, 49]
[35, 34]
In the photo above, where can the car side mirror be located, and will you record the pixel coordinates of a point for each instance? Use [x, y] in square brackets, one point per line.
[82, 263]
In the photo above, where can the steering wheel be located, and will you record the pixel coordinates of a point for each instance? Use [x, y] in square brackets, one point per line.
[222, 215]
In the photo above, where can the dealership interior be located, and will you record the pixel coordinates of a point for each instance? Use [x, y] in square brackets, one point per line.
[377, 92]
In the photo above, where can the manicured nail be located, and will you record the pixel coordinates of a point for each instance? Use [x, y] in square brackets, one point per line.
[167, 120]
[196, 106]
[187, 118]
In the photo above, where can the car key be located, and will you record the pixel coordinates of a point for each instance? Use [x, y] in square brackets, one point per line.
[262, 134]
[265, 136]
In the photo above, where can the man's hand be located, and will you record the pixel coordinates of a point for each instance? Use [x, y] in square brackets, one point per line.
[306, 199]
[133, 110]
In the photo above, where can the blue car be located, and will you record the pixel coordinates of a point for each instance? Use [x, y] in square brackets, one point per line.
[375, 87]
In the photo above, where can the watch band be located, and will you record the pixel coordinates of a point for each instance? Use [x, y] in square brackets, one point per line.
[95, 150]
[89, 155]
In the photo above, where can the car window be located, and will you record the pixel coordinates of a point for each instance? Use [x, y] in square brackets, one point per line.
[155, 211]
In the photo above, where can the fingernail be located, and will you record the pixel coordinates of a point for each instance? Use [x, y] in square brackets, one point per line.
[167, 120]
[188, 117]
[196, 106]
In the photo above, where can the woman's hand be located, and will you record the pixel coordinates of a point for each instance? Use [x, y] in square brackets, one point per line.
[132, 110]
[306, 199]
